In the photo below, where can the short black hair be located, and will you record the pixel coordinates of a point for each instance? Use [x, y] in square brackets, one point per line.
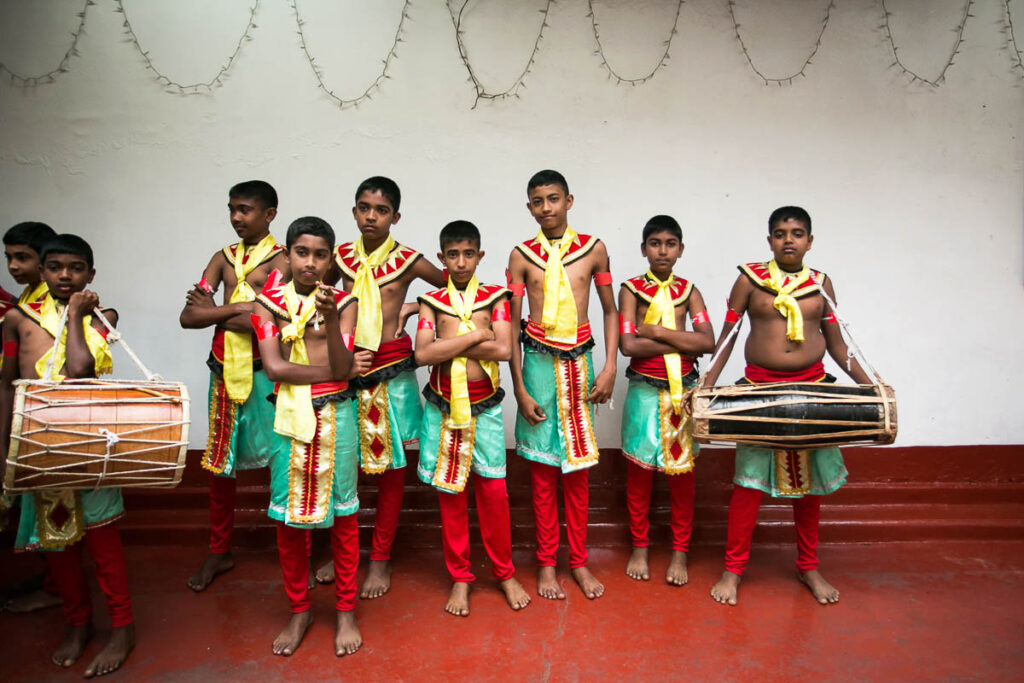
[386, 186]
[32, 234]
[456, 231]
[663, 223]
[787, 213]
[309, 225]
[66, 243]
[260, 190]
[547, 177]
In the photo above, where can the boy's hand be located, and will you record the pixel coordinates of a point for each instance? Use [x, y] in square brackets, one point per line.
[325, 305]
[602, 389]
[81, 303]
[530, 410]
[407, 311]
[361, 362]
[198, 296]
[485, 334]
[649, 331]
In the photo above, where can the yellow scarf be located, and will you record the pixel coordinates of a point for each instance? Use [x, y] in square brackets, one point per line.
[294, 417]
[367, 291]
[33, 294]
[785, 303]
[559, 318]
[662, 312]
[50, 320]
[238, 345]
[462, 304]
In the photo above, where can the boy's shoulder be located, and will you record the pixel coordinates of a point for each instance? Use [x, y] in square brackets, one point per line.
[486, 297]
[644, 288]
[581, 246]
[400, 259]
[760, 277]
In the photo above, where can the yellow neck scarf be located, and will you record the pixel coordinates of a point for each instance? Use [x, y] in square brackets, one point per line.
[462, 302]
[786, 304]
[32, 294]
[238, 345]
[559, 318]
[367, 291]
[50, 320]
[662, 312]
[294, 416]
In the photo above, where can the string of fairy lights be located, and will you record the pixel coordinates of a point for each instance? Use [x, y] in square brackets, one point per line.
[62, 67]
[612, 73]
[1011, 38]
[914, 76]
[802, 71]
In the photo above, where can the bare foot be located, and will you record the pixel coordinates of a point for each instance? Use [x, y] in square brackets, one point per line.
[325, 574]
[31, 601]
[677, 574]
[113, 654]
[515, 594]
[291, 637]
[349, 639]
[213, 566]
[377, 581]
[823, 591]
[311, 582]
[75, 640]
[547, 584]
[637, 567]
[727, 588]
[588, 583]
[458, 600]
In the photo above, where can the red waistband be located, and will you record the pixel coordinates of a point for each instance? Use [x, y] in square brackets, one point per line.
[391, 352]
[655, 366]
[218, 346]
[321, 389]
[537, 332]
[759, 375]
[479, 389]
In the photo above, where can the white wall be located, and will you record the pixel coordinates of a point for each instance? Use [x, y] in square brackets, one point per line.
[916, 192]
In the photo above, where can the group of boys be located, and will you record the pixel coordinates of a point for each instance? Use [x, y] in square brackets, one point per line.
[316, 381]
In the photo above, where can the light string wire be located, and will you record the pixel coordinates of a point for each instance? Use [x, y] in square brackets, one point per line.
[914, 76]
[480, 89]
[612, 73]
[62, 67]
[802, 71]
[1011, 38]
[318, 72]
[189, 88]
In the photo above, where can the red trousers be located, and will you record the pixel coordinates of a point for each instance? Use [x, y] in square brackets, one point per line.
[293, 551]
[576, 491]
[639, 482]
[222, 513]
[743, 509]
[495, 528]
[390, 489]
[111, 573]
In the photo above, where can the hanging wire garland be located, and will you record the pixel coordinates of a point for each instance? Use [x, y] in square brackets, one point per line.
[604, 59]
[784, 80]
[62, 67]
[1011, 38]
[481, 91]
[190, 88]
[318, 70]
[914, 76]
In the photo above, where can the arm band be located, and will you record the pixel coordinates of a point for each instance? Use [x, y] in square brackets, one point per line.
[602, 279]
[10, 349]
[831, 318]
[626, 327]
[349, 341]
[267, 329]
[731, 316]
[501, 313]
[425, 325]
[518, 289]
[701, 317]
[205, 286]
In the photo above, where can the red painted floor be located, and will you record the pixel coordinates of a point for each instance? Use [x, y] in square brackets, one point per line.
[909, 611]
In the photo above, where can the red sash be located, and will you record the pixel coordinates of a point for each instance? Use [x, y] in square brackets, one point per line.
[536, 332]
[654, 366]
[390, 352]
[479, 389]
[758, 375]
[217, 348]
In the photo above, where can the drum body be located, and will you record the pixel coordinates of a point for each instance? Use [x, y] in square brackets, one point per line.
[91, 433]
[794, 415]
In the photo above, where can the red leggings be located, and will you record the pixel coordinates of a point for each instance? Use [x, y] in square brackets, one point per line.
[293, 551]
[743, 509]
[390, 489]
[222, 513]
[639, 482]
[495, 528]
[111, 573]
[575, 489]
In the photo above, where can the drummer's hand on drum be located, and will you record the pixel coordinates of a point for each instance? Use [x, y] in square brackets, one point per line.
[602, 389]
[81, 303]
[530, 410]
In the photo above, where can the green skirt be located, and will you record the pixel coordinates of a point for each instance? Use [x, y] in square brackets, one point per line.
[756, 469]
[99, 507]
[240, 436]
[641, 426]
[405, 411]
[488, 444]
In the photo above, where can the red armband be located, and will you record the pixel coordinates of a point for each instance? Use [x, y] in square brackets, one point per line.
[10, 349]
[205, 286]
[425, 325]
[626, 327]
[349, 341]
[602, 279]
[731, 316]
[518, 289]
[831, 318]
[701, 317]
[267, 329]
[502, 313]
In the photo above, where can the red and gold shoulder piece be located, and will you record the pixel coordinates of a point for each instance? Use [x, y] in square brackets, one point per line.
[486, 297]
[535, 254]
[272, 295]
[33, 309]
[759, 275]
[229, 254]
[399, 260]
[644, 289]
[343, 298]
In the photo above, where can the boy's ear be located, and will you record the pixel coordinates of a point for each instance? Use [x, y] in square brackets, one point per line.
[440, 257]
[568, 202]
[643, 249]
[480, 253]
[92, 274]
[271, 213]
[810, 241]
[397, 218]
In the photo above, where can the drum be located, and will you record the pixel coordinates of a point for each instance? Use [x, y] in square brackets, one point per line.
[795, 415]
[92, 433]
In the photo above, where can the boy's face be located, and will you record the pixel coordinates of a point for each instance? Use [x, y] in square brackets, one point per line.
[789, 241]
[662, 250]
[309, 258]
[22, 263]
[549, 205]
[374, 215]
[66, 274]
[461, 259]
[249, 218]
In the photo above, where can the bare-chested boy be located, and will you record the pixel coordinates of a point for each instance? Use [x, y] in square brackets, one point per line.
[657, 433]
[57, 521]
[791, 328]
[463, 333]
[300, 328]
[240, 415]
[553, 374]
[377, 270]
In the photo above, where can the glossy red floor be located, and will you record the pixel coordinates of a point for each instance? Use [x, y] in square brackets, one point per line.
[909, 611]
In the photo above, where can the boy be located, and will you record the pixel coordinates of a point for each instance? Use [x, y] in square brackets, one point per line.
[656, 430]
[240, 415]
[791, 328]
[57, 520]
[313, 478]
[553, 375]
[377, 270]
[463, 429]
